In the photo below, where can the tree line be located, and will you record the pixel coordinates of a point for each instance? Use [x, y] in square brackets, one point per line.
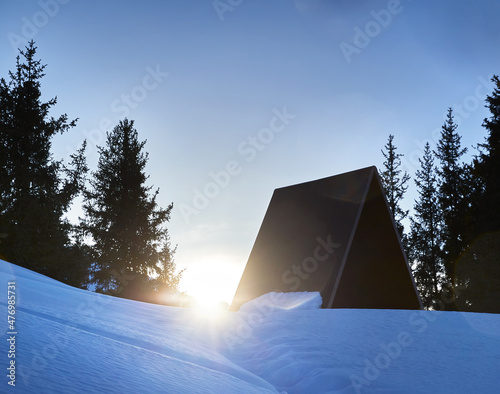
[121, 246]
[453, 239]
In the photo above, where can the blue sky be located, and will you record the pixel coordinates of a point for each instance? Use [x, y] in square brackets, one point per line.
[256, 95]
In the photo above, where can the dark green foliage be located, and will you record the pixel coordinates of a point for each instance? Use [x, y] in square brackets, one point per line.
[425, 232]
[35, 190]
[394, 182]
[479, 268]
[127, 228]
[488, 165]
[451, 196]
[468, 217]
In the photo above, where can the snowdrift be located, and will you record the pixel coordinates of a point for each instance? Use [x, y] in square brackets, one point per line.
[69, 340]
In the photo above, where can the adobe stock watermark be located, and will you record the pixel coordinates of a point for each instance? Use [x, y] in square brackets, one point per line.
[42, 357]
[379, 21]
[122, 106]
[324, 248]
[31, 26]
[383, 360]
[223, 6]
[249, 149]
[248, 322]
[461, 111]
[418, 322]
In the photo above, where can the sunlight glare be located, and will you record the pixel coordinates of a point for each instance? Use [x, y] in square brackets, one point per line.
[212, 285]
[210, 305]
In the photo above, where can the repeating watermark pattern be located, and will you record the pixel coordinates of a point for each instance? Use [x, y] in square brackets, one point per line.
[298, 273]
[379, 21]
[11, 332]
[91, 307]
[221, 7]
[381, 361]
[419, 323]
[324, 249]
[248, 322]
[151, 80]
[461, 111]
[31, 26]
[249, 149]
[122, 106]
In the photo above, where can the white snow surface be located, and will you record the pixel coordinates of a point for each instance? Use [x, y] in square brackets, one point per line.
[73, 341]
[271, 302]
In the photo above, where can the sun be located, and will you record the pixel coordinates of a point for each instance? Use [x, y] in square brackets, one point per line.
[211, 284]
[210, 304]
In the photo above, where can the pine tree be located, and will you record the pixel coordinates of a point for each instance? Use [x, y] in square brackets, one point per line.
[394, 182]
[5, 105]
[36, 191]
[451, 196]
[131, 242]
[488, 165]
[479, 267]
[425, 237]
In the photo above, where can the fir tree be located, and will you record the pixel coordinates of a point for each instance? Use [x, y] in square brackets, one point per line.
[451, 180]
[479, 267]
[488, 166]
[425, 237]
[394, 182]
[131, 242]
[36, 191]
[451, 197]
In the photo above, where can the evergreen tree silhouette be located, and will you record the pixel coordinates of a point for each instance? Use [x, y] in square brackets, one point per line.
[131, 242]
[425, 232]
[479, 267]
[451, 197]
[394, 182]
[488, 165]
[36, 191]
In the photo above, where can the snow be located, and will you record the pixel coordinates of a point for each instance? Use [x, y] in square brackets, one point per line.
[271, 302]
[73, 341]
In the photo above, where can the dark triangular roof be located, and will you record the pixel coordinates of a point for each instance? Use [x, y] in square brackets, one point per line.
[333, 235]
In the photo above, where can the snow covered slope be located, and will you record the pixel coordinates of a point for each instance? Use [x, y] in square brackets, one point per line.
[72, 341]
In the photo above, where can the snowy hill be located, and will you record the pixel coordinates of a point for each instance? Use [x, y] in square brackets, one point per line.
[68, 340]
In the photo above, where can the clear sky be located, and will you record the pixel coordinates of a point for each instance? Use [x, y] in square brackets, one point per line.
[238, 97]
